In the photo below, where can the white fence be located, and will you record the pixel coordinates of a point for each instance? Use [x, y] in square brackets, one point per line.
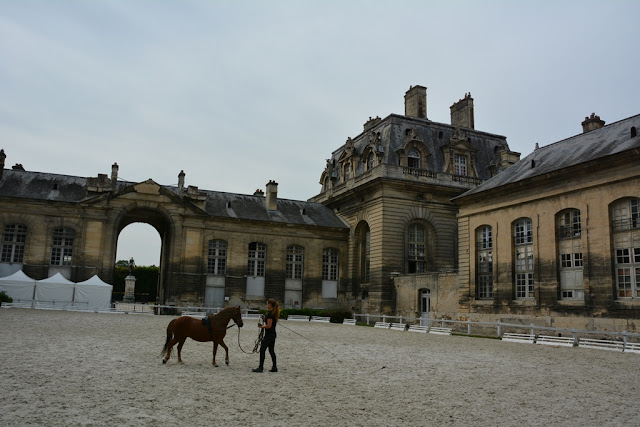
[467, 327]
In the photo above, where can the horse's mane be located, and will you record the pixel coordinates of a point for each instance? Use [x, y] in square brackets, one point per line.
[222, 317]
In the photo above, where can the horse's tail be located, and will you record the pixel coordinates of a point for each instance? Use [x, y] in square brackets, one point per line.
[169, 337]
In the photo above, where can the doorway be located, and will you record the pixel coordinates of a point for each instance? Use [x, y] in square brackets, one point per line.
[425, 306]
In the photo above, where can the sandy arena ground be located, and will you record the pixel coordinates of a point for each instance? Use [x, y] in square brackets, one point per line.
[64, 368]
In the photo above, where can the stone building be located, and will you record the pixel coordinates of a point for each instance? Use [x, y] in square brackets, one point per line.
[217, 248]
[555, 239]
[393, 184]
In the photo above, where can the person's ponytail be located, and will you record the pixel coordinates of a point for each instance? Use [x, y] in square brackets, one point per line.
[276, 308]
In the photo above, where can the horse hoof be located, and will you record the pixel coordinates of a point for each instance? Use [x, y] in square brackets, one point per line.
[164, 361]
[215, 365]
[226, 362]
[181, 362]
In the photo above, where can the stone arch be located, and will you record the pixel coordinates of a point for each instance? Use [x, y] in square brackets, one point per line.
[160, 219]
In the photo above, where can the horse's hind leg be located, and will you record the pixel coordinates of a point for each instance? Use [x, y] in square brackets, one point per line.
[180, 344]
[169, 348]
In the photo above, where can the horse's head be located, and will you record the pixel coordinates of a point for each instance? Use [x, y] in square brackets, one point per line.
[237, 317]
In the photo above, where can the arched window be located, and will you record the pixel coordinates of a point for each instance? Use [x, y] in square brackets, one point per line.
[364, 251]
[416, 250]
[13, 241]
[257, 256]
[217, 258]
[62, 246]
[523, 254]
[569, 232]
[484, 266]
[626, 241]
[371, 161]
[413, 158]
[295, 262]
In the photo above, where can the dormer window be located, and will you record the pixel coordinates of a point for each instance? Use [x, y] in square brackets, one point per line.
[347, 172]
[413, 159]
[460, 165]
[371, 161]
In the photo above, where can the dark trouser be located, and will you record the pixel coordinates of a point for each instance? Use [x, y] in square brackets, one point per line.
[269, 341]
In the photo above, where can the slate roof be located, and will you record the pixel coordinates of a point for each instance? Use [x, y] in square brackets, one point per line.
[72, 189]
[611, 139]
[435, 137]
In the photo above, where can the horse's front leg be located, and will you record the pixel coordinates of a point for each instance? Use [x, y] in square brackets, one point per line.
[215, 349]
[226, 349]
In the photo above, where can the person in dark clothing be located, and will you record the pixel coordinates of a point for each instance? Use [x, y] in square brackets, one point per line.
[269, 340]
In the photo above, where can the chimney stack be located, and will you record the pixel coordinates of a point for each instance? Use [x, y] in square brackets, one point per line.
[592, 123]
[180, 181]
[258, 193]
[272, 196]
[462, 112]
[114, 175]
[2, 157]
[415, 102]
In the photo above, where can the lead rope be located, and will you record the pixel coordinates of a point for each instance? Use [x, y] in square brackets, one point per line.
[256, 345]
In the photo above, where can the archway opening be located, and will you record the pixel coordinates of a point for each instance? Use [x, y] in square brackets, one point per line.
[144, 235]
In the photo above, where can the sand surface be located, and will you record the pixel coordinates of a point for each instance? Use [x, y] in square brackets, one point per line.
[64, 368]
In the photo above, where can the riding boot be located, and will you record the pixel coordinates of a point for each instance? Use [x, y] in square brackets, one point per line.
[260, 368]
[274, 366]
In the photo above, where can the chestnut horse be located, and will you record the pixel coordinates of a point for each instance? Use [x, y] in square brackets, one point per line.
[188, 327]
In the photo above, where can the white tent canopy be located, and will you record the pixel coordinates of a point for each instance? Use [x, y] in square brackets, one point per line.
[54, 289]
[18, 286]
[93, 291]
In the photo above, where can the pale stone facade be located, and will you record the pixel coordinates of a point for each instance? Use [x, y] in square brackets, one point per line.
[54, 223]
[556, 238]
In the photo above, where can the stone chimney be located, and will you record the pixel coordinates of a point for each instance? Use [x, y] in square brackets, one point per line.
[114, 175]
[415, 102]
[180, 181]
[371, 123]
[272, 196]
[2, 157]
[592, 122]
[462, 112]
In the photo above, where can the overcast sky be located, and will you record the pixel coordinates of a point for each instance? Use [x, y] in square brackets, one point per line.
[237, 93]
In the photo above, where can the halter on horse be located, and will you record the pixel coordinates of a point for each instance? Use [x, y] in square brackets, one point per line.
[188, 327]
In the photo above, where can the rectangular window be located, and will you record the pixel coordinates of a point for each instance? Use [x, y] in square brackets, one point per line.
[330, 264]
[566, 260]
[62, 246]
[13, 241]
[295, 260]
[257, 256]
[523, 254]
[485, 262]
[460, 165]
[624, 282]
[577, 259]
[416, 259]
[217, 259]
[524, 285]
[623, 256]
